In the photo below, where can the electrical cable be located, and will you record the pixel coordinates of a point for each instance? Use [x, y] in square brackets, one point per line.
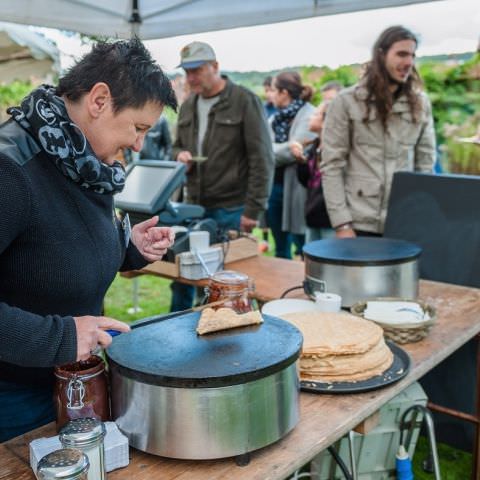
[340, 463]
[288, 290]
[297, 475]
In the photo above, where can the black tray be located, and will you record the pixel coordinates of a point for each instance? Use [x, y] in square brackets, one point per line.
[399, 368]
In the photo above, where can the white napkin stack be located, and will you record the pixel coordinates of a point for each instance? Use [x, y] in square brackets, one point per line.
[395, 313]
[115, 443]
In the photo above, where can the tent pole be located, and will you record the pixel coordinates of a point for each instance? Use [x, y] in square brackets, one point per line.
[135, 19]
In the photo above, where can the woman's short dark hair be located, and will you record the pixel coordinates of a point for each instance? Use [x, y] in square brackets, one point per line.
[292, 83]
[128, 69]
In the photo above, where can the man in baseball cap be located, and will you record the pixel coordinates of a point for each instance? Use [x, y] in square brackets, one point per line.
[223, 138]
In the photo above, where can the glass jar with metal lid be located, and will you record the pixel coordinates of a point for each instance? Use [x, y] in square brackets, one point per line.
[232, 287]
[65, 464]
[81, 390]
[87, 434]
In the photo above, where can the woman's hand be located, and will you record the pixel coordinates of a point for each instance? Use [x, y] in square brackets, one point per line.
[91, 333]
[152, 241]
[296, 148]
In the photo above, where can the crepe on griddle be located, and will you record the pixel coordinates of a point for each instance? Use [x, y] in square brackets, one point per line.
[225, 318]
[339, 347]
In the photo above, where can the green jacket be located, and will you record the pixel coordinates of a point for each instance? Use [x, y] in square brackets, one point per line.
[240, 164]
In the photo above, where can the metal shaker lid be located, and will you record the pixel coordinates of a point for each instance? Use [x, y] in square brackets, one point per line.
[82, 432]
[66, 463]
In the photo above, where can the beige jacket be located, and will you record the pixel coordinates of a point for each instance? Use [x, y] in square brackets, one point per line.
[359, 158]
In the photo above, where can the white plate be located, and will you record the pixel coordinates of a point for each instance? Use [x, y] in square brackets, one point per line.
[280, 307]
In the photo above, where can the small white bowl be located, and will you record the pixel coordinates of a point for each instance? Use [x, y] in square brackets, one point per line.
[282, 306]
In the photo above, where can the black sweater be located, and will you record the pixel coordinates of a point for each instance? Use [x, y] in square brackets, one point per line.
[60, 248]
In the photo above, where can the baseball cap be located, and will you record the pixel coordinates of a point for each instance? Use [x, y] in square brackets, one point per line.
[195, 54]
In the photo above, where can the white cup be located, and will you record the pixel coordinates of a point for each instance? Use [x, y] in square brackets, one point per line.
[199, 240]
[328, 302]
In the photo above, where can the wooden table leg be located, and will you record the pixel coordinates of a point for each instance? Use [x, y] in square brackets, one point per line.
[476, 445]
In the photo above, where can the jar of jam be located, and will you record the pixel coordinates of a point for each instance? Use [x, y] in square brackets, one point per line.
[81, 390]
[232, 287]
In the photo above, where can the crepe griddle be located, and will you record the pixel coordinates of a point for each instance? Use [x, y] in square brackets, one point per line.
[170, 353]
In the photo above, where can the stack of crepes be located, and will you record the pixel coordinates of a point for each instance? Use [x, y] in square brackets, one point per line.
[339, 347]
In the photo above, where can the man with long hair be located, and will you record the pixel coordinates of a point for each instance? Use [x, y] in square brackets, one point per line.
[379, 126]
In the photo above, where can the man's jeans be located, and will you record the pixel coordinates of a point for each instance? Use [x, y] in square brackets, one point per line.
[183, 295]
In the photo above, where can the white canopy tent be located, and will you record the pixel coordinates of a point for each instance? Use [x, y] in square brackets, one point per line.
[151, 19]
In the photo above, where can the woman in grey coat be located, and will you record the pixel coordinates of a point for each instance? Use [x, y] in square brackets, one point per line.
[286, 206]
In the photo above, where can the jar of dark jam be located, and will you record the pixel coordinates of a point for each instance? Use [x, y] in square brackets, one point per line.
[81, 390]
[232, 287]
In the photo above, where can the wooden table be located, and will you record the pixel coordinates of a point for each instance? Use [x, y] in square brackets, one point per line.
[323, 418]
[272, 276]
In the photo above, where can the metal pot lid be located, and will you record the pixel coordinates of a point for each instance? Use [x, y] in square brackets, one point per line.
[170, 353]
[362, 251]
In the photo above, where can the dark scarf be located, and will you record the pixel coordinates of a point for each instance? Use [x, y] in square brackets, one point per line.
[43, 114]
[282, 120]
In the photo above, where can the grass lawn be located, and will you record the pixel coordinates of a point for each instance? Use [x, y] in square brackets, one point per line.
[154, 298]
[454, 464]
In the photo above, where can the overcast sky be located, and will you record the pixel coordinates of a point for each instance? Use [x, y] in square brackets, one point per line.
[447, 26]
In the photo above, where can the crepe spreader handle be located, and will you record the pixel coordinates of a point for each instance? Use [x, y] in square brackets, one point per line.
[113, 333]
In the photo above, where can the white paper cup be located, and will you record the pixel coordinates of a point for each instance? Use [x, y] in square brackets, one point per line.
[199, 240]
[328, 302]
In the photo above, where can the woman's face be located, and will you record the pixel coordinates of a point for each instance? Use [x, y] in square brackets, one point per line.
[268, 89]
[124, 129]
[280, 97]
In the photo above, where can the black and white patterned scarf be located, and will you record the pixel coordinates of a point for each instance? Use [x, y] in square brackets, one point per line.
[282, 120]
[44, 115]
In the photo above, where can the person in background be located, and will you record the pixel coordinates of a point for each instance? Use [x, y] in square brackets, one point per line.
[309, 175]
[379, 126]
[61, 244]
[223, 139]
[330, 90]
[268, 105]
[270, 110]
[286, 214]
[158, 142]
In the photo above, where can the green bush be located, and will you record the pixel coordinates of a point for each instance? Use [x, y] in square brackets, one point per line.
[12, 94]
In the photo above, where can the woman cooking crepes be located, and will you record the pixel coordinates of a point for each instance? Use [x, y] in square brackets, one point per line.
[61, 243]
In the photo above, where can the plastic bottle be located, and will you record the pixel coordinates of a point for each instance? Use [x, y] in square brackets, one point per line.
[403, 465]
